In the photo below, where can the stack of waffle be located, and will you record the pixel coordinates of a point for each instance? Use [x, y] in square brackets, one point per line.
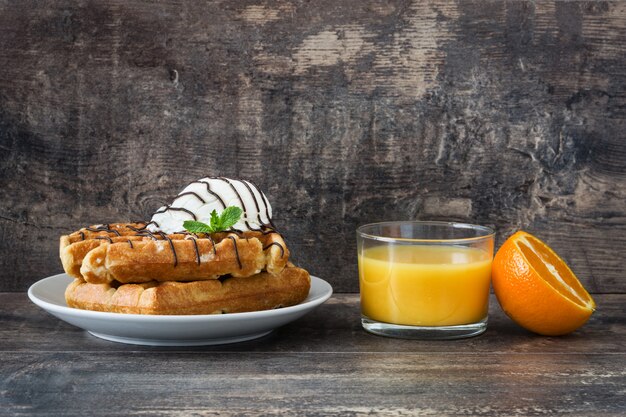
[125, 268]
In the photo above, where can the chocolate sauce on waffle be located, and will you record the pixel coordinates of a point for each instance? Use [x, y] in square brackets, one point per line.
[102, 228]
[236, 251]
[147, 233]
[166, 237]
[282, 250]
[213, 243]
[139, 229]
[195, 245]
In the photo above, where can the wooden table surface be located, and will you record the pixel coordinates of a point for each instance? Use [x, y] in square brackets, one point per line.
[322, 364]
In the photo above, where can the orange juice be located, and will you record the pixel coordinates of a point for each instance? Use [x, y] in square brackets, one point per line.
[420, 285]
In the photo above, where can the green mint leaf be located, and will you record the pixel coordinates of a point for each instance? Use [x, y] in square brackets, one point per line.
[197, 227]
[229, 217]
[214, 221]
[218, 223]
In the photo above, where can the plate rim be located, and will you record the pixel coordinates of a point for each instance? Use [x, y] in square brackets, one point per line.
[326, 293]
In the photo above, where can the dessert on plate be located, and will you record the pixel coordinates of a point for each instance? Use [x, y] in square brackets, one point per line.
[213, 250]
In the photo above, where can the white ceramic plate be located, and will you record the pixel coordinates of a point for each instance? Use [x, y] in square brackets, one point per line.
[209, 329]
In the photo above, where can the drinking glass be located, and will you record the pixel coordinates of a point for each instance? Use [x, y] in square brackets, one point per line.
[424, 279]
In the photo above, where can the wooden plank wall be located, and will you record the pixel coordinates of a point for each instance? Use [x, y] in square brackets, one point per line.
[345, 112]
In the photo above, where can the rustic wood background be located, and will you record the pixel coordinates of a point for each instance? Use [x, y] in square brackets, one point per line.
[345, 112]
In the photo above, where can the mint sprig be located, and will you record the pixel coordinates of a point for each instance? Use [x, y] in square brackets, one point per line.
[197, 227]
[217, 223]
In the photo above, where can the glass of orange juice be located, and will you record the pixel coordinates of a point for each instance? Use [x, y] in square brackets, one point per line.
[424, 280]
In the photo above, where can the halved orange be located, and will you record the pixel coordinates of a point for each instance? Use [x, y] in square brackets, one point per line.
[537, 289]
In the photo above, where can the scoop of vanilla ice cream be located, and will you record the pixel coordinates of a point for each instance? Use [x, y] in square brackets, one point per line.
[201, 197]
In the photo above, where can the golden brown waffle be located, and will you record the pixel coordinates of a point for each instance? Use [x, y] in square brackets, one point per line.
[127, 252]
[261, 291]
[72, 254]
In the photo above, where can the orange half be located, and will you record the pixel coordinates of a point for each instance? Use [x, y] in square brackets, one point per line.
[537, 289]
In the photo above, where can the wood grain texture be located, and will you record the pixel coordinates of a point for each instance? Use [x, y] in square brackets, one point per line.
[323, 364]
[334, 327]
[502, 113]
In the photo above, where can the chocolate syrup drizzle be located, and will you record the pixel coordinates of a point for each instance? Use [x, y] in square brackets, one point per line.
[103, 228]
[104, 237]
[147, 233]
[243, 205]
[191, 193]
[282, 250]
[267, 203]
[139, 229]
[169, 207]
[212, 243]
[236, 251]
[208, 189]
[166, 237]
[195, 245]
[106, 228]
[256, 203]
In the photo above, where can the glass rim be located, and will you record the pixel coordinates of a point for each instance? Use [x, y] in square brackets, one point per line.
[489, 232]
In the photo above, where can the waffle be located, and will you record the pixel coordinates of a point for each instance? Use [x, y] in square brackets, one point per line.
[72, 254]
[262, 291]
[128, 253]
